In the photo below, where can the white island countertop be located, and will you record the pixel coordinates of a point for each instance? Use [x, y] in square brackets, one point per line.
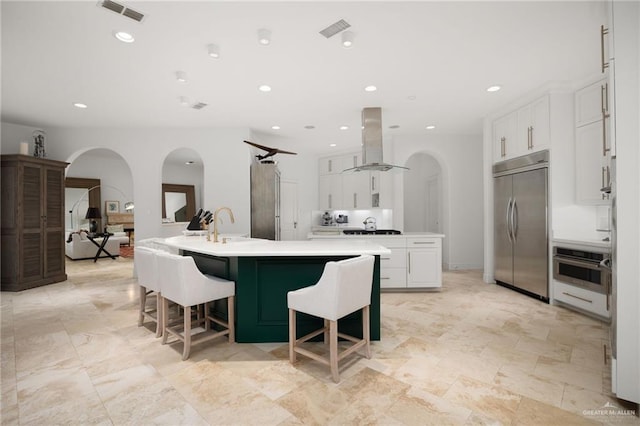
[248, 247]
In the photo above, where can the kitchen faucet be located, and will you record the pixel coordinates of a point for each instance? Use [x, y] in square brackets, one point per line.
[215, 223]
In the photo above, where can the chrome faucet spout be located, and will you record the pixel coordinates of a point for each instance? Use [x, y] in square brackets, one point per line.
[215, 222]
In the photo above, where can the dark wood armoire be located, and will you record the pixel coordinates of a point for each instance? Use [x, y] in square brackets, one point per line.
[32, 222]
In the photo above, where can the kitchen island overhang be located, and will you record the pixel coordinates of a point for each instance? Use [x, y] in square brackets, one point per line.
[265, 271]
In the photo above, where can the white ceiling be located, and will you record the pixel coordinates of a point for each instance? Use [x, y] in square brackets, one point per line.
[445, 54]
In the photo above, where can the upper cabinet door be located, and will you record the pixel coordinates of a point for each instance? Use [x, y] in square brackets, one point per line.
[590, 102]
[504, 133]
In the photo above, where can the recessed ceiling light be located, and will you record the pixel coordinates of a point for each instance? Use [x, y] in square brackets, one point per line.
[370, 89]
[309, 127]
[184, 101]
[430, 127]
[394, 126]
[332, 144]
[124, 36]
[264, 36]
[181, 76]
[190, 162]
[347, 39]
[411, 98]
[344, 127]
[213, 50]
[264, 88]
[275, 127]
[79, 105]
[493, 88]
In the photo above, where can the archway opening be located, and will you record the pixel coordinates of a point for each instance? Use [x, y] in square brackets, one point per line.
[423, 194]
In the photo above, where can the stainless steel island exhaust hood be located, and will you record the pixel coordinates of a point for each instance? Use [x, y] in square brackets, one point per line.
[372, 143]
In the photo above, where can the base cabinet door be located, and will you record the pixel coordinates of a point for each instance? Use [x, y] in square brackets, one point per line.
[424, 267]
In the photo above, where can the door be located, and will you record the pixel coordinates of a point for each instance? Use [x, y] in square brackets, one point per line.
[32, 268]
[529, 225]
[53, 231]
[503, 249]
[289, 210]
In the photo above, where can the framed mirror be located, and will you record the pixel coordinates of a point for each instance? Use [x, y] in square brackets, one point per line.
[178, 202]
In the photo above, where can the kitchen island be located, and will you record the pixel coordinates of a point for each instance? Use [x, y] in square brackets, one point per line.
[264, 271]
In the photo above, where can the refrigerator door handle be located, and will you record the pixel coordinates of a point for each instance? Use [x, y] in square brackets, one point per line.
[508, 220]
[514, 220]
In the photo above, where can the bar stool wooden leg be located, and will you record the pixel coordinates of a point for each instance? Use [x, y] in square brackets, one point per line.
[165, 319]
[231, 318]
[366, 331]
[333, 350]
[326, 332]
[159, 313]
[187, 332]
[143, 303]
[292, 336]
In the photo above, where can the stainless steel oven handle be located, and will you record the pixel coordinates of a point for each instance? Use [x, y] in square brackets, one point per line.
[582, 264]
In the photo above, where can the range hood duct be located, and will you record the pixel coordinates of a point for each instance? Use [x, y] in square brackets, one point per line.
[372, 143]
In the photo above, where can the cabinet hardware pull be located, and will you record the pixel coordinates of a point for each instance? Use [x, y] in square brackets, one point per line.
[330, 165]
[355, 200]
[577, 297]
[603, 32]
[373, 183]
[355, 161]
[604, 99]
[503, 146]
[424, 242]
[385, 278]
[409, 263]
[604, 352]
[385, 258]
[531, 135]
[329, 200]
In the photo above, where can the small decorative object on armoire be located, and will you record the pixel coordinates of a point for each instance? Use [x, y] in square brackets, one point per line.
[93, 213]
[32, 222]
[38, 141]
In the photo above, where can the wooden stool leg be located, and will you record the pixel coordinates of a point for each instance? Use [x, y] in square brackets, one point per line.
[143, 303]
[187, 333]
[366, 331]
[333, 350]
[159, 312]
[231, 318]
[165, 319]
[206, 314]
[292, 335]
[326, 332]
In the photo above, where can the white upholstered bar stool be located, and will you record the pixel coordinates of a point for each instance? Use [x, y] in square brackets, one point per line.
[343, 288]
[144, 259]
[182, 282]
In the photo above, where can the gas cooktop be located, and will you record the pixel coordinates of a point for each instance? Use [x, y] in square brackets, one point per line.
[376, 232]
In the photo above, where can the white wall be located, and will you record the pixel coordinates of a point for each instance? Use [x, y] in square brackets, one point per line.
[460, 157]
[226, 161]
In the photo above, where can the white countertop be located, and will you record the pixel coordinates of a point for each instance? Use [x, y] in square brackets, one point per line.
[572, 242]
[339, 235]
[249, 247]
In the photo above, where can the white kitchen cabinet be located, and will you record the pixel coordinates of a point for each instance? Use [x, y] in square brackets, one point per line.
[592, 144]
[330, 191]
[522, 131]
[355, 191]
[533, 127]
[330, 165]
[504, 133]
[583, 299]
[424, 262]
[393, 267]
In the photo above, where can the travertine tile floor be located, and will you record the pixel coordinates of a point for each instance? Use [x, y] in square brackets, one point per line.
[471, 354]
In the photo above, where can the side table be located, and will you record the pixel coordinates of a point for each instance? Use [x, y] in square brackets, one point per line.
[105, 237]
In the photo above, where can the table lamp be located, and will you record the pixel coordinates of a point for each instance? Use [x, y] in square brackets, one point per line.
[93, 213]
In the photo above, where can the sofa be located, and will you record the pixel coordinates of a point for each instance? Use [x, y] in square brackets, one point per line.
[78, 246]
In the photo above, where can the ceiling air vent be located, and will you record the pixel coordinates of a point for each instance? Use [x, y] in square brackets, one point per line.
[335, 28]
[121, 10]
[199, 105]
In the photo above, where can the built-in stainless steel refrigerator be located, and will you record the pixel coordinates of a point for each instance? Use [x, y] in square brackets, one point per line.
[265, 201]
[521, 224]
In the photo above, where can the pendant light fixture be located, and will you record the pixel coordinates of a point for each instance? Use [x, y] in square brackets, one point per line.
[347, 39]
[264, 36]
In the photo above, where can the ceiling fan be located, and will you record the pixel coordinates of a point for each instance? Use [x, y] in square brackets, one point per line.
[270, 152]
